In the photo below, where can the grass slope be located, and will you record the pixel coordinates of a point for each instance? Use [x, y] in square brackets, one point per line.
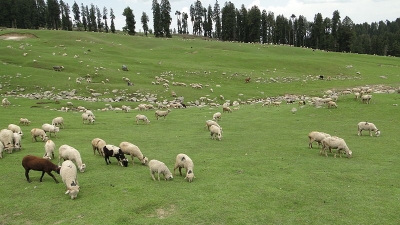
[262, 171]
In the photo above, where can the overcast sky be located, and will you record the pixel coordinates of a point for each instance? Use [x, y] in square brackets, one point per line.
[359, 11]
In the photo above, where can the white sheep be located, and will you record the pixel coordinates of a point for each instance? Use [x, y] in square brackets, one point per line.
[87, 117]
[134, 151]
[366, 99]
[1, 150]
[5, 103]
[184, 161]
[24, 121]
[159, 168]
[6, 137]
[17, 141]
[226, 109]
[209, 123]
[335, 143]
[67, 152]
[49, 149]
[216, 132]
[68, 175]
[37, 132]
[369, 127]
[317, 137]
[160, 113]
[51, 129]
[331, 104]
[58, 121]
[142, 118]
[217, 116]
[15, 129]
[98, 144]
[89, 112]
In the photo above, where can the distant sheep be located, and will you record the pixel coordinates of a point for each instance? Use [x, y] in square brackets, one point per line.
[330, 143]
[5, 103]
[98, 144]
[24, 121]
[15, 129]
[369, 127]
[6, 137]
[366, 99]
[247, 80]
[159, 168]
[58, 68]
[133, 151]
[184, 161]
[142, 118]
[51, 129]
[114, 151]
[49, 149]
[209, 123]
[332, 104]
[216, 132]
[58, 121]
[68, 174]
[226, 109]
[67, 152]
[217, 116]
[37, 132]
[31, 162]
[87, 117]
[315, 136]
[160, 113]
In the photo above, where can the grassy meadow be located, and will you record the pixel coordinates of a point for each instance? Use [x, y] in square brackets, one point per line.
[262, 172]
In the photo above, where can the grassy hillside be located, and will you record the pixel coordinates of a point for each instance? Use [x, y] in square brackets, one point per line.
[261, 172]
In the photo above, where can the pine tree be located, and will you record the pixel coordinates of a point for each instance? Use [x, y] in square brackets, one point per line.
[217, 20]
[84, 17]
[157, 23]
[77, 15]
[145, 19]
[112, 17]
[165, 9]
[105, 12]
[129, 20]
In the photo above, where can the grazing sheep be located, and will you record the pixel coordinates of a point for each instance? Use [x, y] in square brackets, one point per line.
[24, 121]
[209, 123]
[67, 152]
[5, 103]
[133, 151]
[226, 109]
[98, 144]
[58, 68]
[49, 149]
[369, 127]
[142, 118]
[58, 121]
[15, 129]
[335, 143]
[159, 168]
[6, 137]
[216, 132]
[160, 113]
[276, 103]
[124, 68]
[114, 151]
[217, 116]
[316, 136]
[1, 150]
[17, 141]
[247, 80]
[87, 117]
[31, 162]
[332, 104]
[51, 129]
[366, 99]
[184, 161]
[37, 132]
[68, 174]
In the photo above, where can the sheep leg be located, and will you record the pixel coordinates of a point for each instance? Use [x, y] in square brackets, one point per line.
[50, 174]
[180, 171]
[106, 158]
[152, 175]
[27, 175]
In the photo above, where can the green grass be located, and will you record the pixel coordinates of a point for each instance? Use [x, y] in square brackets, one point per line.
[262, 172]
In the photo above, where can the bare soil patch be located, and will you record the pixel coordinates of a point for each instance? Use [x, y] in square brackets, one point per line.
[17, 36]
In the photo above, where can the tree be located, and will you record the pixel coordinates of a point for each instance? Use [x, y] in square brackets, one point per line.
[185, 29]
[179, 22]
[228, 20]
[270, 27]
[84, 17]
[209, 22]
[346, 34]
[112, 17]
[92, 18]
[317, 31]
[242, 24]
[157, 23]
[293, 17]
[254, 24]
[335, 28]
[100, 24]
[41, 13]
[77, 15]
[65, 18]
[53, 14]
[129, 21]
[165, 9]
[217, 20]
[145, 19]
[105, 12]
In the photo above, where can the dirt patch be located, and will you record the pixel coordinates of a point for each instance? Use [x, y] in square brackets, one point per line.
[17, 36]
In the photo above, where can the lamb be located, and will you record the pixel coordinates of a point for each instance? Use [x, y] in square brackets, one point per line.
[51, 129]
[217, 116]
[68, 174]
[216, 132]
[98, 144]
[209, 123]
[31, 162]
[6, 138]
[17, 141]
[184, 161]
[335, 143]
[58, 121]
[15, 129]
[316, 136]
[37, 132]
[133, 151]
[87, 117]
[5, 103]
[24, 121]
[67, 152]
[160, 113]
[369, 127]
[142, 118]
[114, 151]
[49, 148]
[159, 168]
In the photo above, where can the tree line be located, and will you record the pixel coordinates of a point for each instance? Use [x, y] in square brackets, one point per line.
[226, 24]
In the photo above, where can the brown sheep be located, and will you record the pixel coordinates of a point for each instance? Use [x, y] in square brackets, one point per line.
[31, 162]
